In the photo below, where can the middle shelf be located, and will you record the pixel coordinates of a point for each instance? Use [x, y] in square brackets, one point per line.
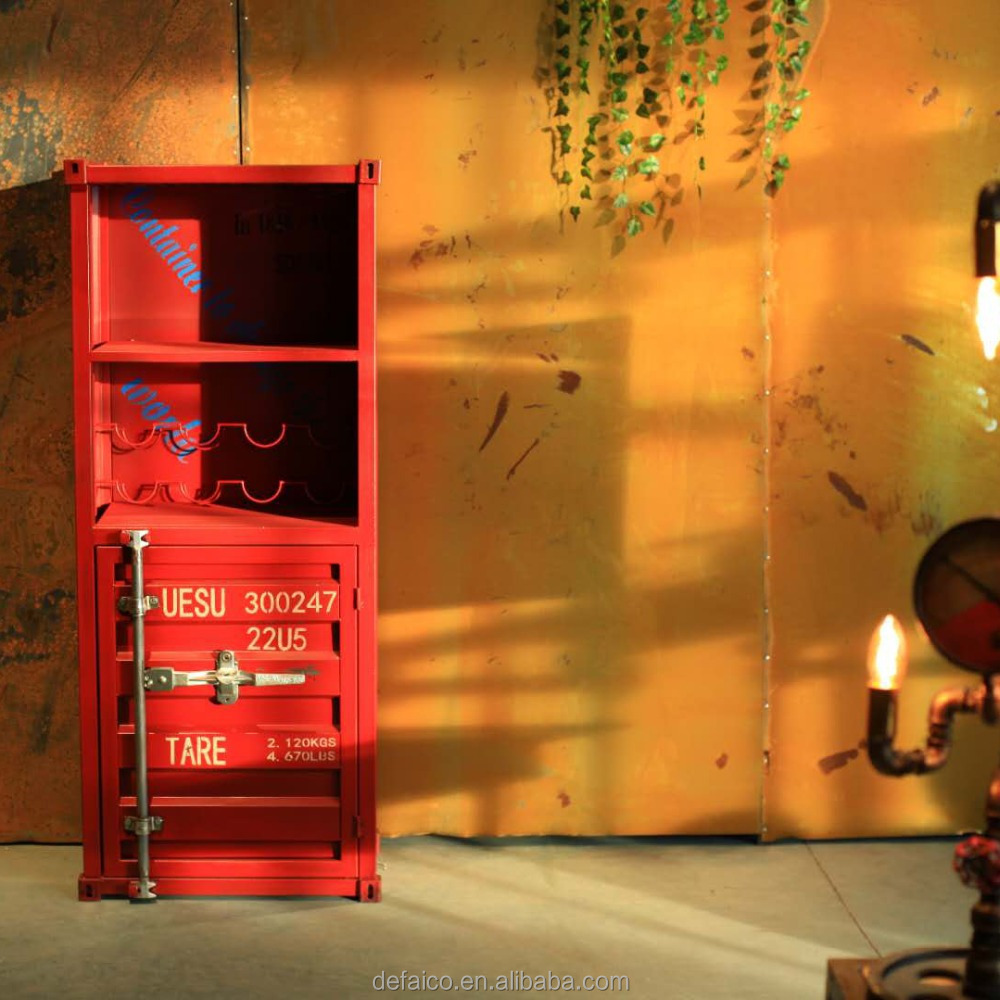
[180, 353]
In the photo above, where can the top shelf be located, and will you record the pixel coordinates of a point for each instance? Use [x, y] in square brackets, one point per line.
[203, 351]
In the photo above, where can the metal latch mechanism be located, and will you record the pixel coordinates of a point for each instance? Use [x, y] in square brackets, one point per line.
[143, 826]
[226, 678]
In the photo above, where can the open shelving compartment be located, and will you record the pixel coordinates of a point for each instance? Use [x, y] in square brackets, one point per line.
[228, 442]
[230, 332]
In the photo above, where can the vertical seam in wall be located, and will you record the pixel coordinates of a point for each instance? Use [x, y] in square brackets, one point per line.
[240, 88]
[767, 317]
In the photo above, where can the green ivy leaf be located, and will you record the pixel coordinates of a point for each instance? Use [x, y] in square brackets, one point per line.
[640, 13]
[575, 212]
[562, 108]
[621, 30]
[621, 201]
[566, 178]
[619, 114]
[617, 12]
[562, 28]
[563, 6]
[619, 95]
[701, 162]
[686, 78]
[718, 33]
[563, 51]
[782, 162]
[586, 172]
[648, 166]
[700, 100]
[642, 111]
[633, 227]
[618, 78]
[619, 173]
[801, 95]
[654, 142]
[585, 192]
[778, 178]
[647, 208]
[649, 96]
[642, 50]
[721, 63]
[641, 67]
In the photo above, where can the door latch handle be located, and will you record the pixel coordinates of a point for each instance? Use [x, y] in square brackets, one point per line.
[226, 678]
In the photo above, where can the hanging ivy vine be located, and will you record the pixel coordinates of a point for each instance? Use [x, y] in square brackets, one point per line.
[782, 115]
[658, 64]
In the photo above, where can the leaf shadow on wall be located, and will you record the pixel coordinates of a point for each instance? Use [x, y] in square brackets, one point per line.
[507, 609]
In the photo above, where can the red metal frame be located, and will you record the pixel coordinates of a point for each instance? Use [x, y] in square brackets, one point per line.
[246, 447]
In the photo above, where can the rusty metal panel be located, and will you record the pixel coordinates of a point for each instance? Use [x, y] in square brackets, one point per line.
[134, 81]
[571, 517]
[883, 410]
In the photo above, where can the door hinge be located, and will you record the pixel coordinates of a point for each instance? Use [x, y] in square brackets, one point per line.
[359, 828]
[357, 598]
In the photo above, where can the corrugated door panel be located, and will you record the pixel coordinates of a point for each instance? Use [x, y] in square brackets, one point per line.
[264, 787]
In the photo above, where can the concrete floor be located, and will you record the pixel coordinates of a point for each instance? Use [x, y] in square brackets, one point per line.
[683, 919]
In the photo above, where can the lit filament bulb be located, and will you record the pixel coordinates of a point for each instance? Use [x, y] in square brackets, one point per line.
[988, 316]
[887, 656]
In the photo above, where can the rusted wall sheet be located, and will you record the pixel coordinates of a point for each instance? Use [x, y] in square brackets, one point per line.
[571, 516]
[880, 435]
[135, 81]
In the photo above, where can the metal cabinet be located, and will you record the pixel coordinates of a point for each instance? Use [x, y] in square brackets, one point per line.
[224, 379]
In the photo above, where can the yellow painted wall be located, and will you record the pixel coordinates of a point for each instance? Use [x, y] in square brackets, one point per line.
[570, 636]
[620, 609]
[873, 244]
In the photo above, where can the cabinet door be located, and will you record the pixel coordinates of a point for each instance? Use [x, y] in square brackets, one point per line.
[262, 787]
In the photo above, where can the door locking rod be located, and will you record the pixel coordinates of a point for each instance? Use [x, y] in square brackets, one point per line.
[142, 824]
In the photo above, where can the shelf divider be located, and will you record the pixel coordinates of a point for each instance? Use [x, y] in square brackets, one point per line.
[204, 351]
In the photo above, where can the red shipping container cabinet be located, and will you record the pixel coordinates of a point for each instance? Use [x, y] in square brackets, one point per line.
[224, 378]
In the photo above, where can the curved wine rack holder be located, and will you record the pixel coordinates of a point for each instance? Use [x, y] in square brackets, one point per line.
[121, 442]
[175, 491]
